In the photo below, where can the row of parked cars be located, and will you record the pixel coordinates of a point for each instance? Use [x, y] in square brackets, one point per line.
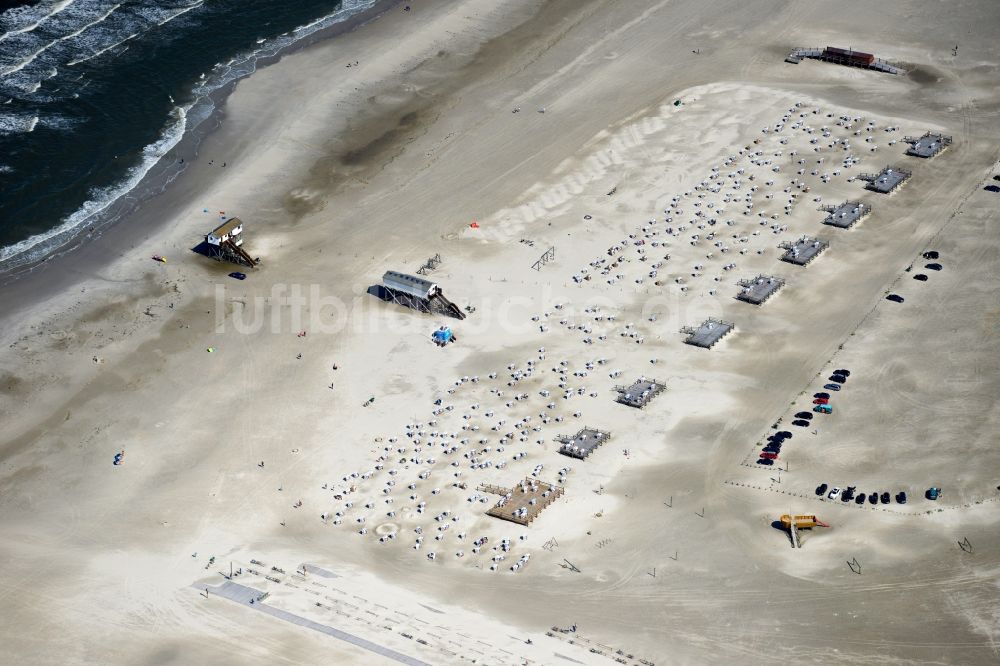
[773, 447]
[920, 277]
[850, 492]
[821, 405]
[821, 400]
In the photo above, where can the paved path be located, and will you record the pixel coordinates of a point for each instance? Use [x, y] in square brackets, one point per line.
[243, 594]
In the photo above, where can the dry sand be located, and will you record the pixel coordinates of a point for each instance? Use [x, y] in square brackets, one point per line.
[662, 546]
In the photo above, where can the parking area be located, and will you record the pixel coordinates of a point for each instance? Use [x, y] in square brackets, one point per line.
[903, 421]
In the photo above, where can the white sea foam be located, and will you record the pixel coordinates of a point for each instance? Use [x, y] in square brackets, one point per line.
[17, 124]
[28, 86]
[32, 14]
[35, 246]
[182, 10]
[31, 58]
[61, 123]
[185, 118]
[246, 63]
[102, 51]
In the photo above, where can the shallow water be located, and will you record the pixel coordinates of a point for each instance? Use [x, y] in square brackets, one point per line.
[93, 93]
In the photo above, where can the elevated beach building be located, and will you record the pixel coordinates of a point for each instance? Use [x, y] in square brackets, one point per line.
[225, 243]
[416, 292]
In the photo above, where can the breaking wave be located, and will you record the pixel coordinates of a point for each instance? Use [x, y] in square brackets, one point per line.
[95, 28]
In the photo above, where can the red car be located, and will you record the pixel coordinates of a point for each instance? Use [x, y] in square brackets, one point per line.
[769, 456]
[821, 401]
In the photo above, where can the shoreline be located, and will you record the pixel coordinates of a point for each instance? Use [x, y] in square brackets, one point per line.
[161, 175]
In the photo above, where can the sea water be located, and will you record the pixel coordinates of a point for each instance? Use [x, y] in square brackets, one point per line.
[95, 93]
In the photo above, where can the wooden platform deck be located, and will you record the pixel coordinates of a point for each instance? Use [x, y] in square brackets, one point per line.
[522, 503]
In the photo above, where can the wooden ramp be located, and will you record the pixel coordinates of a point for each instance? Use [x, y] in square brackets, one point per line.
[435, 304]
[238, 255]
[444, 306]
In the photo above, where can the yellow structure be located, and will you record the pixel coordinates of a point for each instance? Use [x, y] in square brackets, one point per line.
[801, 522]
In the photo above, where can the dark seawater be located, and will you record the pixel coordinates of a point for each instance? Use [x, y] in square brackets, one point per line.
[93, 93]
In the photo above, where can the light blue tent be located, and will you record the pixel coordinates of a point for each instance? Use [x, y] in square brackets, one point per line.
[443, 335]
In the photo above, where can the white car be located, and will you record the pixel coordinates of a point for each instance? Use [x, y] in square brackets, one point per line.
[834, 494]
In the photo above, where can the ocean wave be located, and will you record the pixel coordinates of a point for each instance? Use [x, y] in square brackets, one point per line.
[26, 87]
[17, 124]
[153, 18]
[35, 15]
[31, 58]
[182, 10]
[97, 54]
[246, 63]
[185, 119]
[38, 245]
[61, 123]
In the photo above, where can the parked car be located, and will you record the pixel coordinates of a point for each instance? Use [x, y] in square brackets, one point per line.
[831, 387]
[932, 493]
[803, 415]
[846, 373]
[901, 497]
[860, 499]
[838, 379]
[933, 267]
[931, 254]
[821, 401]
[821, 395]
[885, 498]
[821, 489]
[769, 455]
[765, 461]
[921, 277]
[237, 275]
[848, 494]
[784, 433]
[873, 498]
[799, 423]
[772, 448]
[834, 494]
[895, 298]
[823, 409]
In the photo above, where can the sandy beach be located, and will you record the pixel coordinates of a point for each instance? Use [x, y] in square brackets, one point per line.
[292, 440]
